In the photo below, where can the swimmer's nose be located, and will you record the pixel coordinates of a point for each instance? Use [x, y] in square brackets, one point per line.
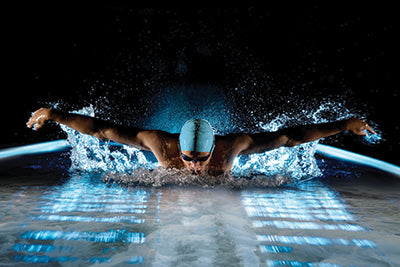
[195, 165]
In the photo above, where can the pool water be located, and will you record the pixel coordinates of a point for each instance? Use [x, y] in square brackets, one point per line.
[54, 216]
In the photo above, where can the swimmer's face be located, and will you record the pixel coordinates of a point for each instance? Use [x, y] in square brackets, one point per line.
[196, 162]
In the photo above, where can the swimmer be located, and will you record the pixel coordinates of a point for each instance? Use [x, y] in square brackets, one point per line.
[197, 148]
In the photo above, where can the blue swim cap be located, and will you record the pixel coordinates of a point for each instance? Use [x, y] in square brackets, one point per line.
[197, 135]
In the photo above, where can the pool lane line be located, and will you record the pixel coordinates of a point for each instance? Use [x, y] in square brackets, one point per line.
[45, 147]
[329, 151]
[345, 155]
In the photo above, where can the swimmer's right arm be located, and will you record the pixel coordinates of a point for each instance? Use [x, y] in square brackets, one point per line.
[143, 139]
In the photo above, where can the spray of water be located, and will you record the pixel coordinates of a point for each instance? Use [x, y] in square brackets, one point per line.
[131, 166]
[90, 154]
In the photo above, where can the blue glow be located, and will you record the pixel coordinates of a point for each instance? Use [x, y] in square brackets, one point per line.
[45, 147]
[43, 259]
[135, 260]
[275, 249]
[357, 158]
[315, 241]
[103, 237]
[289, 222]
[296, 162]
[303, 206]
[89, 202]
[33, 247]
[281, 161]
[309, 226]
[70, 218]
[81, 194]
[273, 263]
[89, 207]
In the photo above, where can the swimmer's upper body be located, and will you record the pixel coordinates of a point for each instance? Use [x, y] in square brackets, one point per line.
[196, 148]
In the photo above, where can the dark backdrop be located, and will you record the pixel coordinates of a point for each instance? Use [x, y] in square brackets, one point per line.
[74, 55]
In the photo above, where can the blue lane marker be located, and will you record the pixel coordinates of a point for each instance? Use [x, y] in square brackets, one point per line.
[45, 147]
[342, 154]
[325, 150]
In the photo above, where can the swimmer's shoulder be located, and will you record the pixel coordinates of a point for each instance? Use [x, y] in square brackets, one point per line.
[227, 148]
[164, 146]
[236, 142]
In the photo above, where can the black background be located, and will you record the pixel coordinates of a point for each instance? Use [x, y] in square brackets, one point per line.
[76, 55]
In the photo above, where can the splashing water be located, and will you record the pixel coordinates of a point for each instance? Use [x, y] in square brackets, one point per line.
[296, 162]
[90, 154]
[128, 165]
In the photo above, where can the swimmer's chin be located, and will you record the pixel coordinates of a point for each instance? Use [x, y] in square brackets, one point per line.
[194, 172]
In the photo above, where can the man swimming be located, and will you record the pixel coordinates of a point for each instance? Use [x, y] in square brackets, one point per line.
[196, 148]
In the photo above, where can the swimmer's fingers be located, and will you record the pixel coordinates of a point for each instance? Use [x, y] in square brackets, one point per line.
[358, 131]
[38, 118]
[369, 129]
[358, 126]
[34, 123]
[365, 127]
[31, 121]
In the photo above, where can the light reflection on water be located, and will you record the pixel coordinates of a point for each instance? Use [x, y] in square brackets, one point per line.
[86, 221]
[291, 223]
[71, 220]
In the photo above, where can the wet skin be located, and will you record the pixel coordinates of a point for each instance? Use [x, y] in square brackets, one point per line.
[196, 167]
[165, 146]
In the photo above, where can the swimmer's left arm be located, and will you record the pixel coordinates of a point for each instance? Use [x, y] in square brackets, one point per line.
[293, 136]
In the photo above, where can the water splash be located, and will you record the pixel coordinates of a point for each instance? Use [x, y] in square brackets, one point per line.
[161, 177]
[132, 166]
[296, 162]
[91, 154]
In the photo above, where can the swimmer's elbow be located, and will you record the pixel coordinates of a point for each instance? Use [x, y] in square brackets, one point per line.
[108, 134]
[291, 137]
[102, 134]
[284, 141]
[288, 141]
[260, 143]
[291, 143]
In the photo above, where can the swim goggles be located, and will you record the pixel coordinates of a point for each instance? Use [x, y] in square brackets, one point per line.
[201, 159]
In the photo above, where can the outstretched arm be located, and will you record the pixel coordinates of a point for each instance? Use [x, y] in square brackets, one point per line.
[98, 128]
[293, 136]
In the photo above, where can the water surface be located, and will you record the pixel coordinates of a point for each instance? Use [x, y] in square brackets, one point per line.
[56, 216]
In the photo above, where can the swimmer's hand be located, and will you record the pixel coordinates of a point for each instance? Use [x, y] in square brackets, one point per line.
[39, 118]
[357, 126]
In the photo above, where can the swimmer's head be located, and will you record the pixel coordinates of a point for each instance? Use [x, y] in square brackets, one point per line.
[196, 142]
[197, 136]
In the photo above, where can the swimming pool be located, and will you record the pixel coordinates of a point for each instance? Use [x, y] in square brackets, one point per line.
[52, 215]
